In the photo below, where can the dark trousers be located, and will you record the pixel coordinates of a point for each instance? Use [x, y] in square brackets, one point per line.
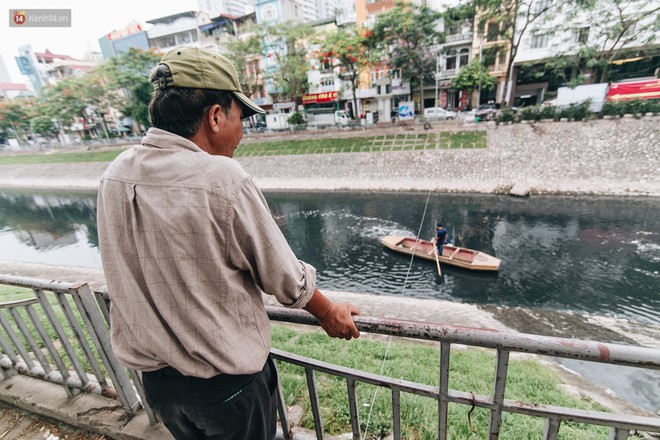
[228, 407]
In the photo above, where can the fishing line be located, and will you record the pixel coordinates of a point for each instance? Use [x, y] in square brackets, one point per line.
[396, 315]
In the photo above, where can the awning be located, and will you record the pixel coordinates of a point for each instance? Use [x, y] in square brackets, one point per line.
[210, 26]
[624, 91]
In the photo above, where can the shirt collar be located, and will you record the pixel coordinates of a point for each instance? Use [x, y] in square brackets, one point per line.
[163, 139]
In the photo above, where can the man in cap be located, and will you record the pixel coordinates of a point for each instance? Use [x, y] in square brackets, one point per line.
[188, 246]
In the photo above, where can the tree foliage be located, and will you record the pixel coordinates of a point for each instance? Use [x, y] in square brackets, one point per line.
[127, 82]
[346, 51]
[287, 42]
[407, 36]
[245, 55]
[473, 76]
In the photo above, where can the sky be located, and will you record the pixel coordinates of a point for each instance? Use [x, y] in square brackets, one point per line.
[90, 20]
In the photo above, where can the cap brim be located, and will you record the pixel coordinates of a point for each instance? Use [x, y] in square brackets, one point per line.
[249, 107]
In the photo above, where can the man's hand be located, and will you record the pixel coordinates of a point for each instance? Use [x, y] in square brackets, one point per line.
[338, 321]
[335, 318]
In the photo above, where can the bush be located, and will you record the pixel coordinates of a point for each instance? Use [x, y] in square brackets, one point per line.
[611, 109]
[547, 112]
[505, 116]
[581, 111]
[530, 113]
[296, 119]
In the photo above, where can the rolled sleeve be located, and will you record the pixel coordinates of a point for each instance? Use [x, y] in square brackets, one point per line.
[258, 246]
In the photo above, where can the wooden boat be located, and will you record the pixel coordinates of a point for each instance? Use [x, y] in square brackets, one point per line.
[454, 255]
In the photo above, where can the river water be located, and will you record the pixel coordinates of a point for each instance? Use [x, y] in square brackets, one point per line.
[590, 255]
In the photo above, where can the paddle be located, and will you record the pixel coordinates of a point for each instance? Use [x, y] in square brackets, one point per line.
[437, 260]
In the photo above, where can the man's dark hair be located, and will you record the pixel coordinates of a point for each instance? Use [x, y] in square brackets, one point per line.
[181, 110]
[439, 225]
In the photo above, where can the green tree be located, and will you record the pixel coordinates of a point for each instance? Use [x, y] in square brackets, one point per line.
[509, 21]
[472, 77]
[126, 79]
[407, 36]
[245, 55]
[70, 97]
[287, 43]
[346, 50]
[598, 33]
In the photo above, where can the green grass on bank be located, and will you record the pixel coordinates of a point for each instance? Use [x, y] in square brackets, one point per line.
[470, 371]
[382, 143]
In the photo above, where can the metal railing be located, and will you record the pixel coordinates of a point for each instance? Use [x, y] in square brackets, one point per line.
[61, 335]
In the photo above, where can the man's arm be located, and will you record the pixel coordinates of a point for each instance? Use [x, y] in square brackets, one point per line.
[335, 318]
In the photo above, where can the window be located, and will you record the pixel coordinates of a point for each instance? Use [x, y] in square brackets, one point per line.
[542, 6]
[451, 60]
[327, 82]
[581, 35]
[501, 57]
[493, 31]
[464, 57]
[268, 13]
[539, 41]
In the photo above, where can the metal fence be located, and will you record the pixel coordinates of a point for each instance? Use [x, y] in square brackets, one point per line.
[61, 335]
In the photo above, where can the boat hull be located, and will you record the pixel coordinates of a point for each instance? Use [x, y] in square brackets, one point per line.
[453, 255]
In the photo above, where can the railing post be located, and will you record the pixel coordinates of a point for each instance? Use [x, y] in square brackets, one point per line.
[551, 429]
[314, 400]
[495, 418]
[445, 348]
[91, 315]
[352, 404]
[281, 406]
[619, 434]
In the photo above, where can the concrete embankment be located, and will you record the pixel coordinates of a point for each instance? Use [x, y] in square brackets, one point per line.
[604, 157]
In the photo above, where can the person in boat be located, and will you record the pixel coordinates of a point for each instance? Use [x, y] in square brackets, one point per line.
[440, 237]
[188, 247]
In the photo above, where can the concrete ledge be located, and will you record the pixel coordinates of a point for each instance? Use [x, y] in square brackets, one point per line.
[90, 412]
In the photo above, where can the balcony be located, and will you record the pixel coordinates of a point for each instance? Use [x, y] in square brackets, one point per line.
[447, 73]
[462, 37]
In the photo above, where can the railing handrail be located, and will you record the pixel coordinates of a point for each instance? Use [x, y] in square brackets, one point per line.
[616, 354]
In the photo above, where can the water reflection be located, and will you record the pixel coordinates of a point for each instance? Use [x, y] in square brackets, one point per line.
[49, 228]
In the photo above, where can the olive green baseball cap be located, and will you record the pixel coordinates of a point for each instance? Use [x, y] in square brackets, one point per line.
[197, 68]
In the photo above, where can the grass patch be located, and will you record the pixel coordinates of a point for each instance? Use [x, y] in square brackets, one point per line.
[470, 371]
[390, 142]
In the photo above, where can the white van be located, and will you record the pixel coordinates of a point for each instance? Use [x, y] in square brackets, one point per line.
[342, 118]
[439, 113]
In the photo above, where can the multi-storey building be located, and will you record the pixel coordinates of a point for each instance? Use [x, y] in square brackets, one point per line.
[215, 8]
[381, 88]
[628, 40]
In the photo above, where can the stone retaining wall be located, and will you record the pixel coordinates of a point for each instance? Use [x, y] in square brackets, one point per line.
[609, 157]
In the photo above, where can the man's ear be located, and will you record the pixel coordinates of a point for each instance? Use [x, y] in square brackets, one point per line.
[216, 118]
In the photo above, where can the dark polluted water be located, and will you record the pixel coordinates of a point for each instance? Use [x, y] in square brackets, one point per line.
[593, 255]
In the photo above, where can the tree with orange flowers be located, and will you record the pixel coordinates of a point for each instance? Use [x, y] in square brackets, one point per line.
[345, 51]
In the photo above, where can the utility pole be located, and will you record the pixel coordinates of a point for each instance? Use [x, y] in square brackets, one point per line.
[481, 44]
[437, 74]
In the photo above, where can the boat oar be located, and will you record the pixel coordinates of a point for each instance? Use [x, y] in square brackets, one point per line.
[437, 260]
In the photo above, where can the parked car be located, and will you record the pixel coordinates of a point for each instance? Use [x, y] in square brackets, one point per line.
[487, 112]
[439, 113]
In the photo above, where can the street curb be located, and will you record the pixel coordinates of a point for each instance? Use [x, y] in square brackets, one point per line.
[87, 411]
